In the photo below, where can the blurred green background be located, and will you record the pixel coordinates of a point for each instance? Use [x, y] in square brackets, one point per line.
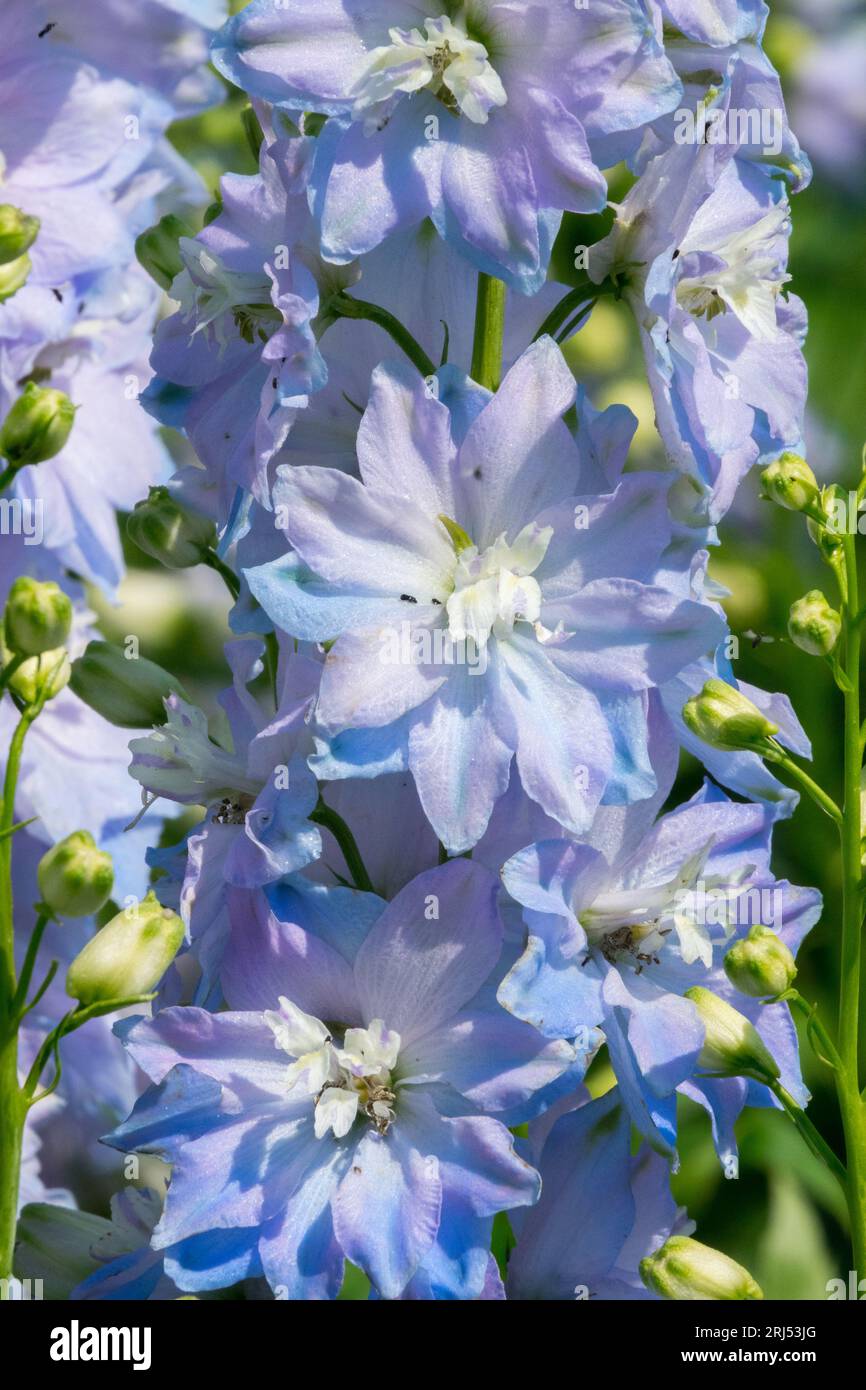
[784, 1218]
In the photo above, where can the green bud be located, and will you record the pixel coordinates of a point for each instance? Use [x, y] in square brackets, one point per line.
[37, 426]
[37, 616]
[761, 965]
[724, 718]
[790, 482]
[732, 1045]
[75, 877]
[128, 956]
[685, 1270]
[128, 692]
[42, 676]
[158, 251]
[17, 233]
[829, 533]
[813, 625]
[13, 276]
[166, 531]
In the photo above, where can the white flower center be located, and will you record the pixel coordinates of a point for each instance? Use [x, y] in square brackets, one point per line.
[745, 276]
[494, 589]
[444, 60]
[221, 300]
[343, 1080]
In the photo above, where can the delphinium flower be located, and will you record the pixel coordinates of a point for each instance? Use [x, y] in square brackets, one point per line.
[618, 929]
[238, 357]
[703, 241]
[490, 119]
[258, 792]
[465, 581]
[83, 156]
[731, 91]
[345, 1106]
[602, 1208]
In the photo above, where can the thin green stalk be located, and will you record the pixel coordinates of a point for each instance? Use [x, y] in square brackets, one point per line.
[581, 295]
[13, 1111]
[486, 366]
[346, 306]
[847, 1078]
[228, 576]
[781, 759]
[7, 475]
[12, 1107]
[324, 815]
[26, 974]
[815, 1141]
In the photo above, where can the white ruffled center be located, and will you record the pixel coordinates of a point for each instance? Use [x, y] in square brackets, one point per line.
[343, 1080]
[494, 589]
[443, 59]
[748, 282]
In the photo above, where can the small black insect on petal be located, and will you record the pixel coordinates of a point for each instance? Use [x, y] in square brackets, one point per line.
[407, 598]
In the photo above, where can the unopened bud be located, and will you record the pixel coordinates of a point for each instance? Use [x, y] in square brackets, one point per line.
[17, 233]
[723, 717]
[685, 1270]
[75, 877]
[813, 625]
[732, 1045]
[37, 426]
[37, 616]
[790, 482]
[13, 276]
[39, 677]
[760, 965]
[166, 531]
[158, 251]
[128, 956]
[128, 692]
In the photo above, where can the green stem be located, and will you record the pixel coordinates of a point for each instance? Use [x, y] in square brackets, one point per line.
[847, 1077]
[825, 1049]
[486, 366]
[13, 1111]
[324, 815]
[228, 576]
[7, 475]
[26, 974]
[781, 759]
[345, 306]
[12, 1106]
[815, 1141]
[582, 294]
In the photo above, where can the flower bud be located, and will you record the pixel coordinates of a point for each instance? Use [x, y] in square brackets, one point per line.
[166, 531]
[724, 718]
[790, 482]
[813, 625]
[685, 1270]
[761, 964]
[128, 956]
[128, 692]
[75, 877]
[13, 275]
[37, 426]
[40, 677]
[732, 1045]
[157, 249]
[829, 533]
[17, 233]
[37, 617]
